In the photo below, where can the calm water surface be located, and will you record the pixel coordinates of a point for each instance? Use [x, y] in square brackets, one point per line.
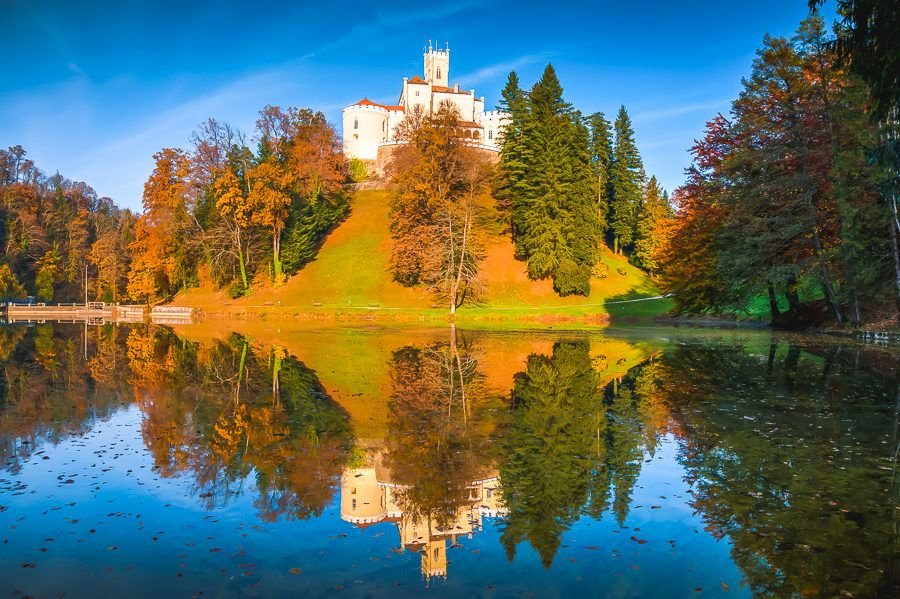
[142, 462]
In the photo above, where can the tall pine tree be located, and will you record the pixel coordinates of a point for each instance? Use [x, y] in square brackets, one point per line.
[626, 180]
[601, 155]
[549, 176]
[511, 168]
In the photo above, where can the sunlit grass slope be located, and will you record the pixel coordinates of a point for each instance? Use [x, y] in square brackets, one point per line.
[351, 275]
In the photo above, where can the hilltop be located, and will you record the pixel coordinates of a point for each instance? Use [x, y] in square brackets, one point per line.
[350, 276]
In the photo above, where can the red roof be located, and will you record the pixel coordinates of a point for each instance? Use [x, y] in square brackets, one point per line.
[417, 80]
[368, 102]
[447, 90]
[468, 125]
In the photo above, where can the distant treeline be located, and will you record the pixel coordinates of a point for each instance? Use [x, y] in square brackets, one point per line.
[54, 231]
[222, 213]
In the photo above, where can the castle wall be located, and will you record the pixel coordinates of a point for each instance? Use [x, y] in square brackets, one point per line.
[493, 121]
[417, 94]
[364, 128]
[464, 103]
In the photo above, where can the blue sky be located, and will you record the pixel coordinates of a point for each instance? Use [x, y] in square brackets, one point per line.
[92, 89]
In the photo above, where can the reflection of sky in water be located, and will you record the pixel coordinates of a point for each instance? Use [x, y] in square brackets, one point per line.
[119, 529]
[790, 444]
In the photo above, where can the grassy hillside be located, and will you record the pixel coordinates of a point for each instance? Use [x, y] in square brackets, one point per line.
[351, 276]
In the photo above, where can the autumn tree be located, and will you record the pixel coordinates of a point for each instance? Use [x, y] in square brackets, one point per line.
[435, 212]
[315, 174]
[164, 230]
[48, 226]
[235, 211]
[688, 254]
[110, 254]
[10, 288]
[784, 194]
[654, 210]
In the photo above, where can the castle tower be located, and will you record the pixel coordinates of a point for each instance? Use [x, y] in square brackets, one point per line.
[434, 559]
[437, 66]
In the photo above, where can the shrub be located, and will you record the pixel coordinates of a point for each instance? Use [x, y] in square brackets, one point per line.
[358, 170]
[571, 278]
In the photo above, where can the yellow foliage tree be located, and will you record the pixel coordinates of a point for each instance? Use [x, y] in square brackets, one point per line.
[163, 231]
[269, 200]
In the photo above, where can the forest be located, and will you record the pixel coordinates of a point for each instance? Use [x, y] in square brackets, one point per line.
[221, 213]
[788, 210]
[791, 200]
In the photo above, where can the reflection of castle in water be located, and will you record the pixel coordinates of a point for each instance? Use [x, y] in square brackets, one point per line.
[368, 496]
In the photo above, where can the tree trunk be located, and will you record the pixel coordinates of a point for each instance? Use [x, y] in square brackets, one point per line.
[895, 229]
[276, 380]
[793, 297]
[773, 301]
[276, 255]
[241, 262]
[826, 281]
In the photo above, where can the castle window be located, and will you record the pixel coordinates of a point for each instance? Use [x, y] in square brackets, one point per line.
[384, 125]
[490, 135]
[354, 504]
[439, 72]
[417, 92]
[356, 123]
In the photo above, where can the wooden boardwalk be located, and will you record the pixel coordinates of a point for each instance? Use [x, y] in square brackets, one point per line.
[96, 313]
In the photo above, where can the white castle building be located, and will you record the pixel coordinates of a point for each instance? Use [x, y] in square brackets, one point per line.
[369, 126]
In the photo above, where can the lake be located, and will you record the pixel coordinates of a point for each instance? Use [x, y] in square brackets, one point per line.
[144, 461]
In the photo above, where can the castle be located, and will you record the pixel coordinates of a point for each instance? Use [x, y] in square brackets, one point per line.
[369, 127]
[369, 496]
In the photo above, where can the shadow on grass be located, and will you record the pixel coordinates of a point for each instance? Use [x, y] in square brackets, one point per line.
[636, 307]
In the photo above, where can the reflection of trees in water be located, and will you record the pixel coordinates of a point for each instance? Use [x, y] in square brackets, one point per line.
[790, 455]
[47, 391]
[223, 412]
[210, 411]
[571, 447]
[437, 444]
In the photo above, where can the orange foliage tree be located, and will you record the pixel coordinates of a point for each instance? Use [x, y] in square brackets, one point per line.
[163, 232]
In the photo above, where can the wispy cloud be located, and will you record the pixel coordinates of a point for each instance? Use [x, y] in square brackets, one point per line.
[500, 69]
[131, 150]
[645, 116]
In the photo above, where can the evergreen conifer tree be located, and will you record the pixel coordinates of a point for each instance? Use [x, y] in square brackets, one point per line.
[601, 155]
[511, 168]
[626, 179]
[550, 180]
